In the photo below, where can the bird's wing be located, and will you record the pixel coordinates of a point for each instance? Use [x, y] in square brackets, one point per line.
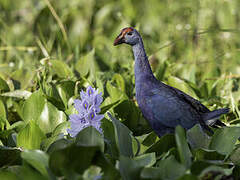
[193, 102]
[196, 106]
[170, 111]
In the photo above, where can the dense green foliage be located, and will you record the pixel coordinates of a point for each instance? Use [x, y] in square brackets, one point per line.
[50, 50]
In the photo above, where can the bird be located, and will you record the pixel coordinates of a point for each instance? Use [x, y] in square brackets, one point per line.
[163, 106]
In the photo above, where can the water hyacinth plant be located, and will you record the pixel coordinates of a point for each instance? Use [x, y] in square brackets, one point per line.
[88, 111]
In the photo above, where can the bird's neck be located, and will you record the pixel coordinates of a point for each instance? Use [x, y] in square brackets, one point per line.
[142, 67]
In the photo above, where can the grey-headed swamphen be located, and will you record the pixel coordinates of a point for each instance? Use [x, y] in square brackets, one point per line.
[164, 106]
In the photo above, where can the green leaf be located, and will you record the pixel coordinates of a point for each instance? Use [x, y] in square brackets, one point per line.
[43, 113]
[38, 159]
[4, 123]
[90, 137]
[115, 93]
[169, 169]
[189, 177]
[197, 138]
[61, 69]
[129, 168]
[9, 156]
[50, 118]
[109, 106]
[68, 158]
[33, 106]
[4, 174]
[66, 91]
[235, 156]
[58, 144]
[206, 154]
[224, 139]
[53, 96]
[150, 139]
[3, 117]
[119, 81]
[147, 160]
[57, 133]
[30, 137]
[72, 159]
[3, 86]
[22, 94]
[198, 166]
[22, 78]
[163, 145]
[129, 113]
[123, 137]
[109, 138]
[26, 172]
[85, 64]
[182, 146]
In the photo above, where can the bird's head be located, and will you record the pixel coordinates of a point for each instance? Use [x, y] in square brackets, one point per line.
[127, 35]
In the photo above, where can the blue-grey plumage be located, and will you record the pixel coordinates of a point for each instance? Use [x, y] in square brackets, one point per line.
[164, 106]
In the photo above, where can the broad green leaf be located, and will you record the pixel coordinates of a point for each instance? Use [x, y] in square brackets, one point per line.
[30, 137]
[115, 93]
[109, 138]
[58, 133]
[38, 159]
[129, 113]
[198, 166]
[164, 144]
[60, 68]
[224, 139]
[197, 138]
[72, 159]
[150, 139]
[3, 86]
[61, 128]
[235, 156]
[33, 106]
[58, 144]
[22, 78]
[129, 168]
[26, 172]
[66, 90]
[53, 96]
[50, 118]
[90, 137]
[107, 107]
[146, 160]
[4, 174]
[119, 81]
[123, 137]
[85, 64]
[9, 156]
[169, 169]
[182, 146]
[206, 154]
[43, 113]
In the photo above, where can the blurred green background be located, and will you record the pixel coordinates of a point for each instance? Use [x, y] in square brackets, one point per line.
[50, 50]
[197, 41]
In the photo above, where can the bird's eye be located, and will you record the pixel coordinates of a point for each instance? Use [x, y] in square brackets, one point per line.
[129, 33]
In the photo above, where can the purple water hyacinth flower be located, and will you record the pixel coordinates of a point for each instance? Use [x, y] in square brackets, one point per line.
[88, 108]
